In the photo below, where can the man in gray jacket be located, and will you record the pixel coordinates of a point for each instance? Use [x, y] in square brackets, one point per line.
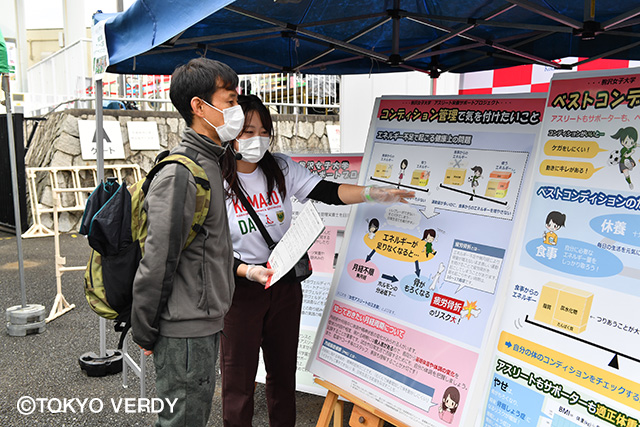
[181, 295]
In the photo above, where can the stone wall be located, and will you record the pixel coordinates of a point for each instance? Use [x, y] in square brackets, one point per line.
[56, 143]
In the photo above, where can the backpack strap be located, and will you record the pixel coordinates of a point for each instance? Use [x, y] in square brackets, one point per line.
[123, 328]
[203, 187]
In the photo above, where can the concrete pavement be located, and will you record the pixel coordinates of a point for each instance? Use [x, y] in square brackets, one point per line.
[45, 366]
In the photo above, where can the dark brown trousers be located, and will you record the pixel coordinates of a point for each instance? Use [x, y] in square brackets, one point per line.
[267, 319]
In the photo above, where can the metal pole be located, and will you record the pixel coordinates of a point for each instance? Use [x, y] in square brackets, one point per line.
[14, 180]
[100, 168]
[120, 78]
[99, 132]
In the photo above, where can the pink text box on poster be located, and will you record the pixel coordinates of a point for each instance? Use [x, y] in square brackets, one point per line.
[396, 360]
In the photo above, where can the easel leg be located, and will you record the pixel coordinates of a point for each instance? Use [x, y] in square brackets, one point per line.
[60, 304]
[328, 410]
[338, 413]
[60, 307]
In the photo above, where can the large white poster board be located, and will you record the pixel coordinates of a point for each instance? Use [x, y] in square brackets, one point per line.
[568, 347]
[340, 168]
[417, 285]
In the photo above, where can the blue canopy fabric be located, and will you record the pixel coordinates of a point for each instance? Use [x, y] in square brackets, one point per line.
[367, 36]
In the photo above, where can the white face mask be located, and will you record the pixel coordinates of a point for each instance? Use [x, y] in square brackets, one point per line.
[253, 149]
[233, 122]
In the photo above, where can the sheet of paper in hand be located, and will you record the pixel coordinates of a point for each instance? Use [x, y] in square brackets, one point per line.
[295, 243]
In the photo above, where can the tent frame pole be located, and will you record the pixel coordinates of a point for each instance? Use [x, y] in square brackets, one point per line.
[100, 169]
[14, 180]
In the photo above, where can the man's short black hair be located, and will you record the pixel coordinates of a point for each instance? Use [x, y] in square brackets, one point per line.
[199, 77]
[558, 218]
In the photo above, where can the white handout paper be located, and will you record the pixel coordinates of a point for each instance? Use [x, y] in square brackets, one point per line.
[295, 243]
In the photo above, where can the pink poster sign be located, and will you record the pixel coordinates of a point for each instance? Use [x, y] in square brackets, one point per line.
[398, 362]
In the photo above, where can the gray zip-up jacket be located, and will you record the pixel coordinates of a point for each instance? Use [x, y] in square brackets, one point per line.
[183, 293]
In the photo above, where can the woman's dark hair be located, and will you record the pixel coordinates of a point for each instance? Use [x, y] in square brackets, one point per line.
[404, 163]
[269, 165]
[429, 232]
[477, 169]
[623, 133]
[454, 395]
[199, 77]
[374, 222]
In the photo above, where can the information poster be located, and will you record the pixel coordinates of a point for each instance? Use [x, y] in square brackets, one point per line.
[340, 168]
[568, 346]
[417, 284]
[99, 51]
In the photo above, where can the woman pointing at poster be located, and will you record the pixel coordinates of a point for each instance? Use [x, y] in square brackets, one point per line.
[259, 318]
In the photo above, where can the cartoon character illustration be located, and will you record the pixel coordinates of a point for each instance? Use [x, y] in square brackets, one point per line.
[374, 225]
[450, 402]
[628, 137]
[403, 166]
[477, 174]
[429, 236]
[554, 221]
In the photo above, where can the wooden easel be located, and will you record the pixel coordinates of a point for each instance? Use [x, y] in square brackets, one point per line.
[362, 415]
[60, 305]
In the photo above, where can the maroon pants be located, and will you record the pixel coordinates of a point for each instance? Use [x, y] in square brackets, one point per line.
[267, 318]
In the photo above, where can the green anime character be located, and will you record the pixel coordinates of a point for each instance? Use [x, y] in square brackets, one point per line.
[429, 236]
[628, 137]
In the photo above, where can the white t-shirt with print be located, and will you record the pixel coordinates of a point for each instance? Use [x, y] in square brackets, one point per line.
[248, 243]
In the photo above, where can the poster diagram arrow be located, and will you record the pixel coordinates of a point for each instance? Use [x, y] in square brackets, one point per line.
[370, 256]
[390, 278]
[417, 268]
[613, 363]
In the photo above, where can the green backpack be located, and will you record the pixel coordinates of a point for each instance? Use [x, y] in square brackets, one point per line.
[115, 224]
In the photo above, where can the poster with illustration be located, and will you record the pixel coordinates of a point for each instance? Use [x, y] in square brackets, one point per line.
[339, 168]
[567, 349]
[417, 285]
